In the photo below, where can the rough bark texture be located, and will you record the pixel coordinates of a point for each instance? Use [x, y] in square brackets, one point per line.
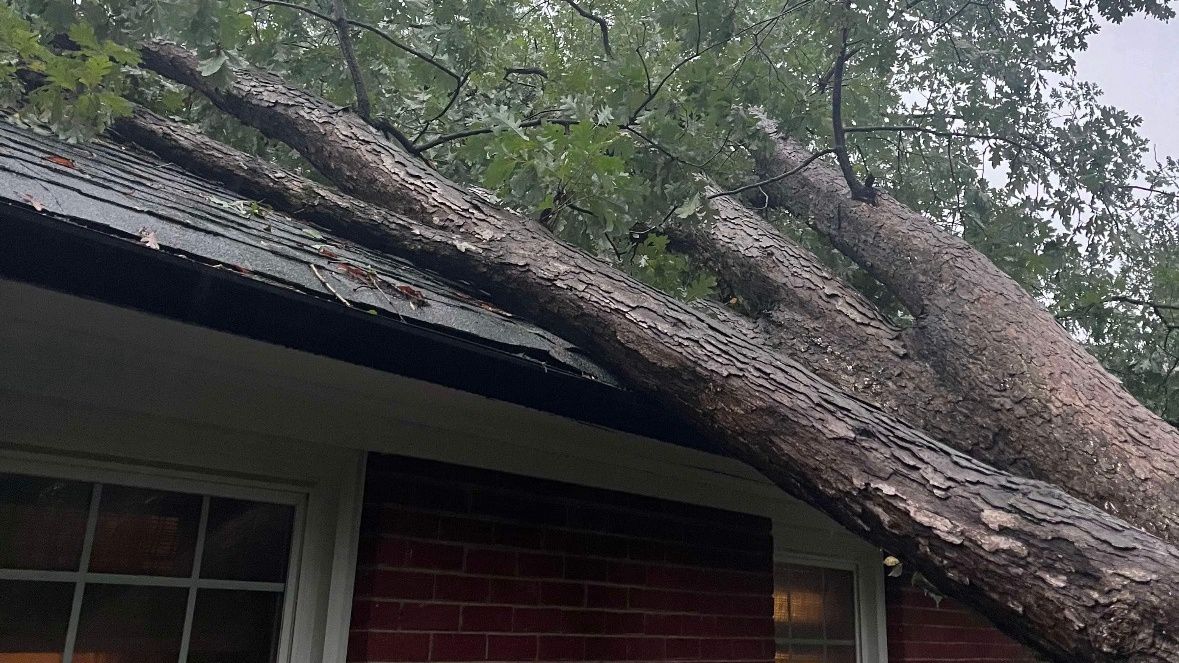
[1036, 402]
[1061, 574]
[803, 309]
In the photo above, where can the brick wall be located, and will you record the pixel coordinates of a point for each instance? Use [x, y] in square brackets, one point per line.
[458, 564]
[921, 630]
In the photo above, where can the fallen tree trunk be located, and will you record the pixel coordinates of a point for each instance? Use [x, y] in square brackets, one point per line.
[1022, 394]
[813, 316]
[1056, 572]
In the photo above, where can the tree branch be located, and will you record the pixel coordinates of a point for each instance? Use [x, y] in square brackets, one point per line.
[363, 104]
[602, 24]
[1030, 145]
[757, 185]
[371, 28]
[859, 190]
[467, 133]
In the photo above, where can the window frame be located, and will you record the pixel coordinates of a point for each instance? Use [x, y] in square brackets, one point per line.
[867, 581]
[295, 644]
[82, 576]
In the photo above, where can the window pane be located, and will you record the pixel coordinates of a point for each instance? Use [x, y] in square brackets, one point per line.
[42, 522]
[839, 604]
[247, 540]
[145, 532]
[235, 627]
[801, 654]
[33, 620]
[841, 654]
[805, 587]
[122, 624]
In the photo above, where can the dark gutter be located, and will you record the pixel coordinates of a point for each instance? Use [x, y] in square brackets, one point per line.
[59, 254]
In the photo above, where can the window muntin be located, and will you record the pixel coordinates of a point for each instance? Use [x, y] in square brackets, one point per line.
[138, 590]
[814, 614]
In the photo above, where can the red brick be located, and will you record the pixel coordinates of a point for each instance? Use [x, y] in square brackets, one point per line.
[428, 617]
[466, 530]
[461, 588]
[537, 620]
[490, 562]
[624, 622]
[487, 618]
[562, 593]
[365, 646]
[605, 649]
[583, 568]
[628, 573]
[597, 596]
[511, 647]
[384, 583]
[586, 622]
[560, 647]
[645, 649]
[458, 647]
[515, 592]
[519, 536]
[683, 648]
[541, 565]
[394, 520]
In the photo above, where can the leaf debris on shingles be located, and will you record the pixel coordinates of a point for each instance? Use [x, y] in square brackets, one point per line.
[60, 160]
[368, 277]
[33, 201]
[147, 237]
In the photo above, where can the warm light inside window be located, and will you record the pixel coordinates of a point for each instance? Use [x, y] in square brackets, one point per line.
[814, 614]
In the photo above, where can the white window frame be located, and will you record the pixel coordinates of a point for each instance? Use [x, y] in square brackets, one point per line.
[868, 582]
[82, 576]
[316, 604]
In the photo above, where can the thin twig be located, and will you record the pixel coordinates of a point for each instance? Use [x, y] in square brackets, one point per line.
[467, 133]
[371, 28]
[758, 185]
[1014, 142]
[458, 88]
[327, 285]
[605, 27]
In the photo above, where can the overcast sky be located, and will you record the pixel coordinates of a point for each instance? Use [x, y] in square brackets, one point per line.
[1137, 64]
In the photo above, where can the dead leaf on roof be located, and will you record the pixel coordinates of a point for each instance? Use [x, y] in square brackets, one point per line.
[415, 296]
[326, 251]
[33, 201]
[493, 308]
[60, 160]
[361, 274]
[148, 238]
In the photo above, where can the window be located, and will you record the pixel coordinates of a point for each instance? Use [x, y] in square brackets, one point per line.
[110, 573]
[814, 614]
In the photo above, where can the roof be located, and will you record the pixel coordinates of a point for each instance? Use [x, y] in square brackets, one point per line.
[117, 224]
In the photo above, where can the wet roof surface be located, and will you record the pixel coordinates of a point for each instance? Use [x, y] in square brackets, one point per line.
[131, 195]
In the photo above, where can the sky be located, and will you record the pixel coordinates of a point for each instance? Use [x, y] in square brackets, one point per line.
[1136, 63]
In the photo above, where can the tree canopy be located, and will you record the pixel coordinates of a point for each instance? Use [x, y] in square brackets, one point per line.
[607, 119]
[600, 117]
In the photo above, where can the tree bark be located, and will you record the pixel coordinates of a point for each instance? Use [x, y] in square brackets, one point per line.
[1068, 578]
[1023, 395]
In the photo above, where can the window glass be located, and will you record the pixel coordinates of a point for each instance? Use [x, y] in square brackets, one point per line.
[42, 522]
[130, 624]
[34, 617]
[814, 614]
[247, 540]
[121, 574]
[232, 626]
[145, 532]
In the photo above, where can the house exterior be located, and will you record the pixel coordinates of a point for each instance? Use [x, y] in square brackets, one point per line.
[228, 437]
